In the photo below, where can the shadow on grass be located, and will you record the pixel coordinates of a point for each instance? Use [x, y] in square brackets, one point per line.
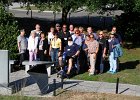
[129, 65]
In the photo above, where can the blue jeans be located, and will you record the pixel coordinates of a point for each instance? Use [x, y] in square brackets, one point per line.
[54, 54]
[112, 62]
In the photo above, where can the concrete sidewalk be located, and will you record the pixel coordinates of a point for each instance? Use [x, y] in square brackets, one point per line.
[31, 88]
[101, 87]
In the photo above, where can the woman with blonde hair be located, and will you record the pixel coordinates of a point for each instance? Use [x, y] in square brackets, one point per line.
[32, 46]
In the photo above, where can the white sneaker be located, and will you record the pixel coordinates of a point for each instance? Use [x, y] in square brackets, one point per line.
[91, 74]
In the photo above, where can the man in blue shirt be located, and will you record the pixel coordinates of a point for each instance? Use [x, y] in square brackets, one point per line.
[71, 52]
[90, 31]
[117, 34]
[77, 38]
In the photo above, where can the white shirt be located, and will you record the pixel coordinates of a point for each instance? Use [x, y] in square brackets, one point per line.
[32, 43]
[71, 32]
[50, 37]
[37, 33]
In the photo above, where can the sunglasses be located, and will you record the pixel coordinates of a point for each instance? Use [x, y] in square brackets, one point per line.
[100, 34]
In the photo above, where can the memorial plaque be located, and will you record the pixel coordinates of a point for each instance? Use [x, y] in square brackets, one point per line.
[4, 68]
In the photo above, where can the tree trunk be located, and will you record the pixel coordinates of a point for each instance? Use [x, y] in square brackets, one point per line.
[65, 12]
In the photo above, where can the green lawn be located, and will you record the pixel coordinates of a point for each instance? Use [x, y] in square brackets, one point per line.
[129, 70]
[16, 98]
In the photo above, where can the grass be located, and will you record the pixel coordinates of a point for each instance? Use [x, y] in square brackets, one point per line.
[73, 95]
[16, 98]
[129, 70]
[129, 73]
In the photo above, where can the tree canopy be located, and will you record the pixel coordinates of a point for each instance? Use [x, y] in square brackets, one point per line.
[131, 9]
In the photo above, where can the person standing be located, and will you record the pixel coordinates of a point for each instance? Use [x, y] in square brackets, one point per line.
[37, 30]
[83, 35]
[55, 48]
[102, 51]
[22, 46]
[90, 31]
[51, 35]
[42, 47]
[57, 28]
[64, 36]
[71, 29]
[32, 46]
[117, 34]
[77, 38]
[112, 59]
[93, 47]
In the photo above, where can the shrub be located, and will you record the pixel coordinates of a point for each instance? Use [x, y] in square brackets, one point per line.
[8, 32]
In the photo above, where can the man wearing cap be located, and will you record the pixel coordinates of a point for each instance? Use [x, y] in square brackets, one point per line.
[71, 51]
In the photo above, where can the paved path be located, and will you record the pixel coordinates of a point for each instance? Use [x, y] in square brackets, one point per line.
[31, 88]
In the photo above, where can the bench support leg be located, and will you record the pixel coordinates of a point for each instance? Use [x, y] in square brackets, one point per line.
[27, 67]
[49, 71]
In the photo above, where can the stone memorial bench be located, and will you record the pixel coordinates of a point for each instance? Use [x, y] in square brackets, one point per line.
[30, 65]
[39, 70]
[11, 62]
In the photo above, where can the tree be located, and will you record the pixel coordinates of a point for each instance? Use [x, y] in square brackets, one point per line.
[128, 23]
[64, 6]
[8, 32]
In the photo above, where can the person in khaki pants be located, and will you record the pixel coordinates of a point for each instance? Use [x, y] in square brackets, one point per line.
[93, 47]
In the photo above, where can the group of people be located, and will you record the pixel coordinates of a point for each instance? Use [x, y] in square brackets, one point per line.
[65, 44]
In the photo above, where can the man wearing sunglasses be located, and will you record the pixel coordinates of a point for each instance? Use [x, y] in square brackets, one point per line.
[64, 35]
[102, 52]
[93, 47]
